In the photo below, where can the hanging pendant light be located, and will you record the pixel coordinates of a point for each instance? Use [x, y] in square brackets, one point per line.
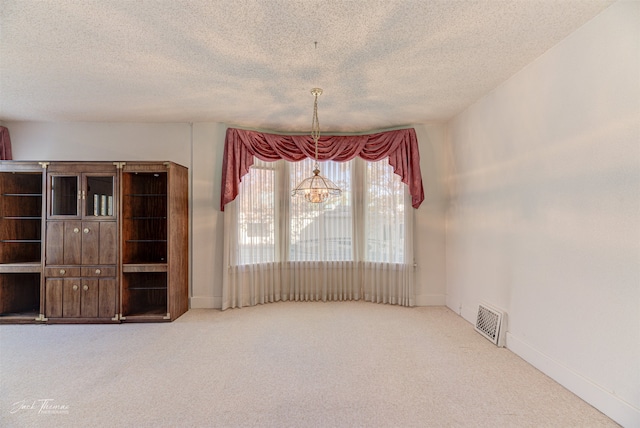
[316, 188]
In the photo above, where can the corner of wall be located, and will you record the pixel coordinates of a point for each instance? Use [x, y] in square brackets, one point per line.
[207, 145]
[429, 218]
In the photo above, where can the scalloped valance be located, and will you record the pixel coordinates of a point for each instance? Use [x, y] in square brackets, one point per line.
[241, 146]
[5, 144]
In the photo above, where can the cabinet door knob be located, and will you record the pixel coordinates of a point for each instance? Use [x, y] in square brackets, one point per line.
[75, 287]
[98, 272]
[86, 230]
[85, 287]
[62, 271]
[76, 230]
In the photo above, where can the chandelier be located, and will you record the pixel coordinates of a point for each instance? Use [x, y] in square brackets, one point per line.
[316, 189]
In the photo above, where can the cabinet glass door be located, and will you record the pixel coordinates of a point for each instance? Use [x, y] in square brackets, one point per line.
[82, 196]
[99, 196]
[64, 195]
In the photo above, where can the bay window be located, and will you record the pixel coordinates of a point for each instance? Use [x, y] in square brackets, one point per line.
[358, 245]
[355, 246]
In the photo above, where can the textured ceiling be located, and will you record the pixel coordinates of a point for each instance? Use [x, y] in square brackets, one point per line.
[252, 63]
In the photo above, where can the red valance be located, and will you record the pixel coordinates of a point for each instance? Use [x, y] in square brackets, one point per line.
[5, 144]
[400, 146]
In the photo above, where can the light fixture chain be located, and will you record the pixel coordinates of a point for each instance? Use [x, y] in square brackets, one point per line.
[316, 189]
[315, 124]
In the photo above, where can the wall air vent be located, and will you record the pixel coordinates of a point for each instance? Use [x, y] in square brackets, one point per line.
[491, 323]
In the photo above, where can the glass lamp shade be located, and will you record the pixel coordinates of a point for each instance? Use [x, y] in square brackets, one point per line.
[316, 189]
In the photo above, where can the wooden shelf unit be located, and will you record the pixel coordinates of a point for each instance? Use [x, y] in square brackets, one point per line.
[86, 242]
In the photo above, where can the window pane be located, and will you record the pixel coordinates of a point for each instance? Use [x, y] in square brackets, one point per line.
[256, 228]
[384, 214]
[321, 232]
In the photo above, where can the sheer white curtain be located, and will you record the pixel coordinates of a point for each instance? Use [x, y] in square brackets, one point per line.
[357, 246]
[252, 240]
[320, 264]
[388, 271]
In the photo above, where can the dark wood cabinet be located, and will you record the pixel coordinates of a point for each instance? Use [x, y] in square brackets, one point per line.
[81, 243]
[93, 241]
[81, 238]
[88, 292]
[80, 298]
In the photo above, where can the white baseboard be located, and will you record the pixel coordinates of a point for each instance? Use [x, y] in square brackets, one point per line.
[198, 302]
[431, 300]
[619, 410]
[205, 302]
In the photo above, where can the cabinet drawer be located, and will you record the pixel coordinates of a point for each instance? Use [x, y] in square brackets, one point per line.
[102, 271]
[62, 271]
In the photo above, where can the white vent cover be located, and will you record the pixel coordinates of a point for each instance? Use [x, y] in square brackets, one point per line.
[491, 323]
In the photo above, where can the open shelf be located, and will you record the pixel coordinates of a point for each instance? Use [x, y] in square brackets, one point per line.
[142, 252]
[145, 217]
[17, 316]
[19, 294]
[144, 249]
[20, 217]
[21, 267]
[144, 294]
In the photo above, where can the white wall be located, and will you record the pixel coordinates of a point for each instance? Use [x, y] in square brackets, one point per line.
[544, 219]
[430, 217]
[208, 220]
[101, 141]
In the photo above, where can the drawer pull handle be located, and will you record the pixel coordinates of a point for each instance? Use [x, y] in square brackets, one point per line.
[62, 271]
[85, 287]
[86, 230]
[76, 230]
[75, 287]
[98, 272]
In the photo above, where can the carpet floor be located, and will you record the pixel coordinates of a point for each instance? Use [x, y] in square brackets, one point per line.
[343, 364]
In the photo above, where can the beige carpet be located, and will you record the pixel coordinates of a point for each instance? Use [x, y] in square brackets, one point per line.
[351, 364]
